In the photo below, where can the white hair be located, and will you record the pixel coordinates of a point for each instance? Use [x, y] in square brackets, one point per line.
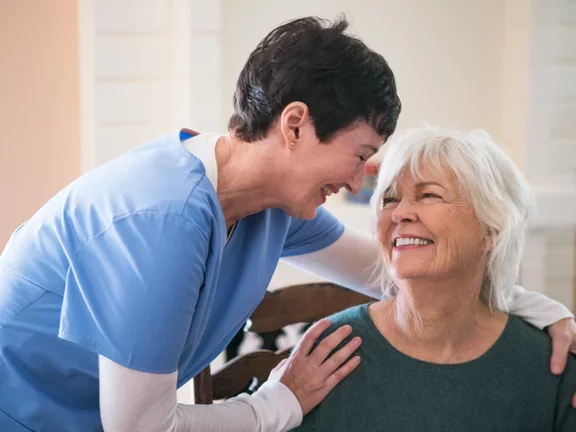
[499, 193]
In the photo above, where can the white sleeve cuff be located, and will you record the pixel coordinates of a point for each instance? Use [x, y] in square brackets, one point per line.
[276, 407]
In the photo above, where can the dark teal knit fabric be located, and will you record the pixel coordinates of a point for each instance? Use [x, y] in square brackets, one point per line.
[510, 388]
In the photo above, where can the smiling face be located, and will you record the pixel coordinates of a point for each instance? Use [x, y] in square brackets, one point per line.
[428, 229]
[314, 170]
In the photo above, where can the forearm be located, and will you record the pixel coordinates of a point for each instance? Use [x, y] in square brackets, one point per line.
[536, 308]
[269, 409]
[132, 400]
[352, 261]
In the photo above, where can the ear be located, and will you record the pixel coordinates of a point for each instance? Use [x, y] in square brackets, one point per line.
[293, 118]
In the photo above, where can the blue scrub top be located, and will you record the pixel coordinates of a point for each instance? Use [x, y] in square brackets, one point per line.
[129, 262]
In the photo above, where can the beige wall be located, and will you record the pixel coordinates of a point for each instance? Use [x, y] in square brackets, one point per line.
[515, 82]
[39, 105]
[447, 65]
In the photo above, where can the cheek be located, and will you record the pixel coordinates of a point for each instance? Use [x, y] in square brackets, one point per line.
[384, 226]
[461, 234]
[342, 169]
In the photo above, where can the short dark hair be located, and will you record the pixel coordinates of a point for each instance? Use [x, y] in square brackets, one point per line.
[313, 61]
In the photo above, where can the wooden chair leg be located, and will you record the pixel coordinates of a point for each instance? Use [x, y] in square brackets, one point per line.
[203, 394]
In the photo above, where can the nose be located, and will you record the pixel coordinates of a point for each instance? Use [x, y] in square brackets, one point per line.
[404, 212]
[355, 182]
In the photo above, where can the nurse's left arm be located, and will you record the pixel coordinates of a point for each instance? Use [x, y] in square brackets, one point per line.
[353, 261]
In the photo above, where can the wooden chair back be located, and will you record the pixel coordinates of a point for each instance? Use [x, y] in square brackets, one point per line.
[304, 303]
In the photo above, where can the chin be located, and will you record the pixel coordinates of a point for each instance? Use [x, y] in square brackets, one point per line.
[307, 214]
[302, 213]
[301, 208]
[406, 273]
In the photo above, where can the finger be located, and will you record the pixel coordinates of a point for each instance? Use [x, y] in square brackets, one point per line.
[341, 373]
[311, 336]
[573, 345]
[324, 348]
[560, 346]
[338, 358]
[574, 400]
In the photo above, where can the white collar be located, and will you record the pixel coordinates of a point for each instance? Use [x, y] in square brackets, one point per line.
[203, 146]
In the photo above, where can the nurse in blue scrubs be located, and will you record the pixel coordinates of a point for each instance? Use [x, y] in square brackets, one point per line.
[132, 279]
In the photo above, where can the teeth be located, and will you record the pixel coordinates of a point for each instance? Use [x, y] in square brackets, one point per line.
[327, 190]
[404, 241]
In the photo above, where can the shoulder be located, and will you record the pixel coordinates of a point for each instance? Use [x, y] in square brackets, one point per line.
[528, 347]
[357, 317]
[351, 315]
[156, 175]
[157, 181]
[525, 335]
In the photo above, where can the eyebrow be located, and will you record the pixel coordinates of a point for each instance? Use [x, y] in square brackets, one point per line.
[430, 183]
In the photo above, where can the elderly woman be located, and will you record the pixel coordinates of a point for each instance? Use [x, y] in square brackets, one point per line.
[133, 278]
[443, 353]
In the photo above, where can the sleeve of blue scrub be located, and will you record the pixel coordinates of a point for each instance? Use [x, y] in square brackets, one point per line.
[131, 291]
[306, 236]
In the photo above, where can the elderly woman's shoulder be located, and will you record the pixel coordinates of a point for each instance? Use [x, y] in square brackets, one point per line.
[529, 342]
[526, 334]
[351, 316]
[357, 317]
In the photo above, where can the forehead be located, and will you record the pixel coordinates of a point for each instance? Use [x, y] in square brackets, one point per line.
[411, 177]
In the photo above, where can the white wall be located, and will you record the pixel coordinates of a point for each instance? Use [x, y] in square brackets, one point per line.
[148, 67]
[446, 64]
[551, 140]
[132, 74]
[550, 144]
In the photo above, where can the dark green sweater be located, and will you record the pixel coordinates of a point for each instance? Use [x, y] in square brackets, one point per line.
[509, 388]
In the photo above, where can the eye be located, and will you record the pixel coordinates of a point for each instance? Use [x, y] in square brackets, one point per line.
[388, 201]
[363, 159]
[429, 195]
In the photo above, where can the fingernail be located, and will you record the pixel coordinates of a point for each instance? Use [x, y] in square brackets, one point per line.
[358, 340]
[556, 369]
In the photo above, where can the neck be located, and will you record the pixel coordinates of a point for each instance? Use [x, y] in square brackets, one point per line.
[440, 321]
[244, 173]
[437, 318]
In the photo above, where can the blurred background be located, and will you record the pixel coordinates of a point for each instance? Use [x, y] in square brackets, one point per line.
[82, 81]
